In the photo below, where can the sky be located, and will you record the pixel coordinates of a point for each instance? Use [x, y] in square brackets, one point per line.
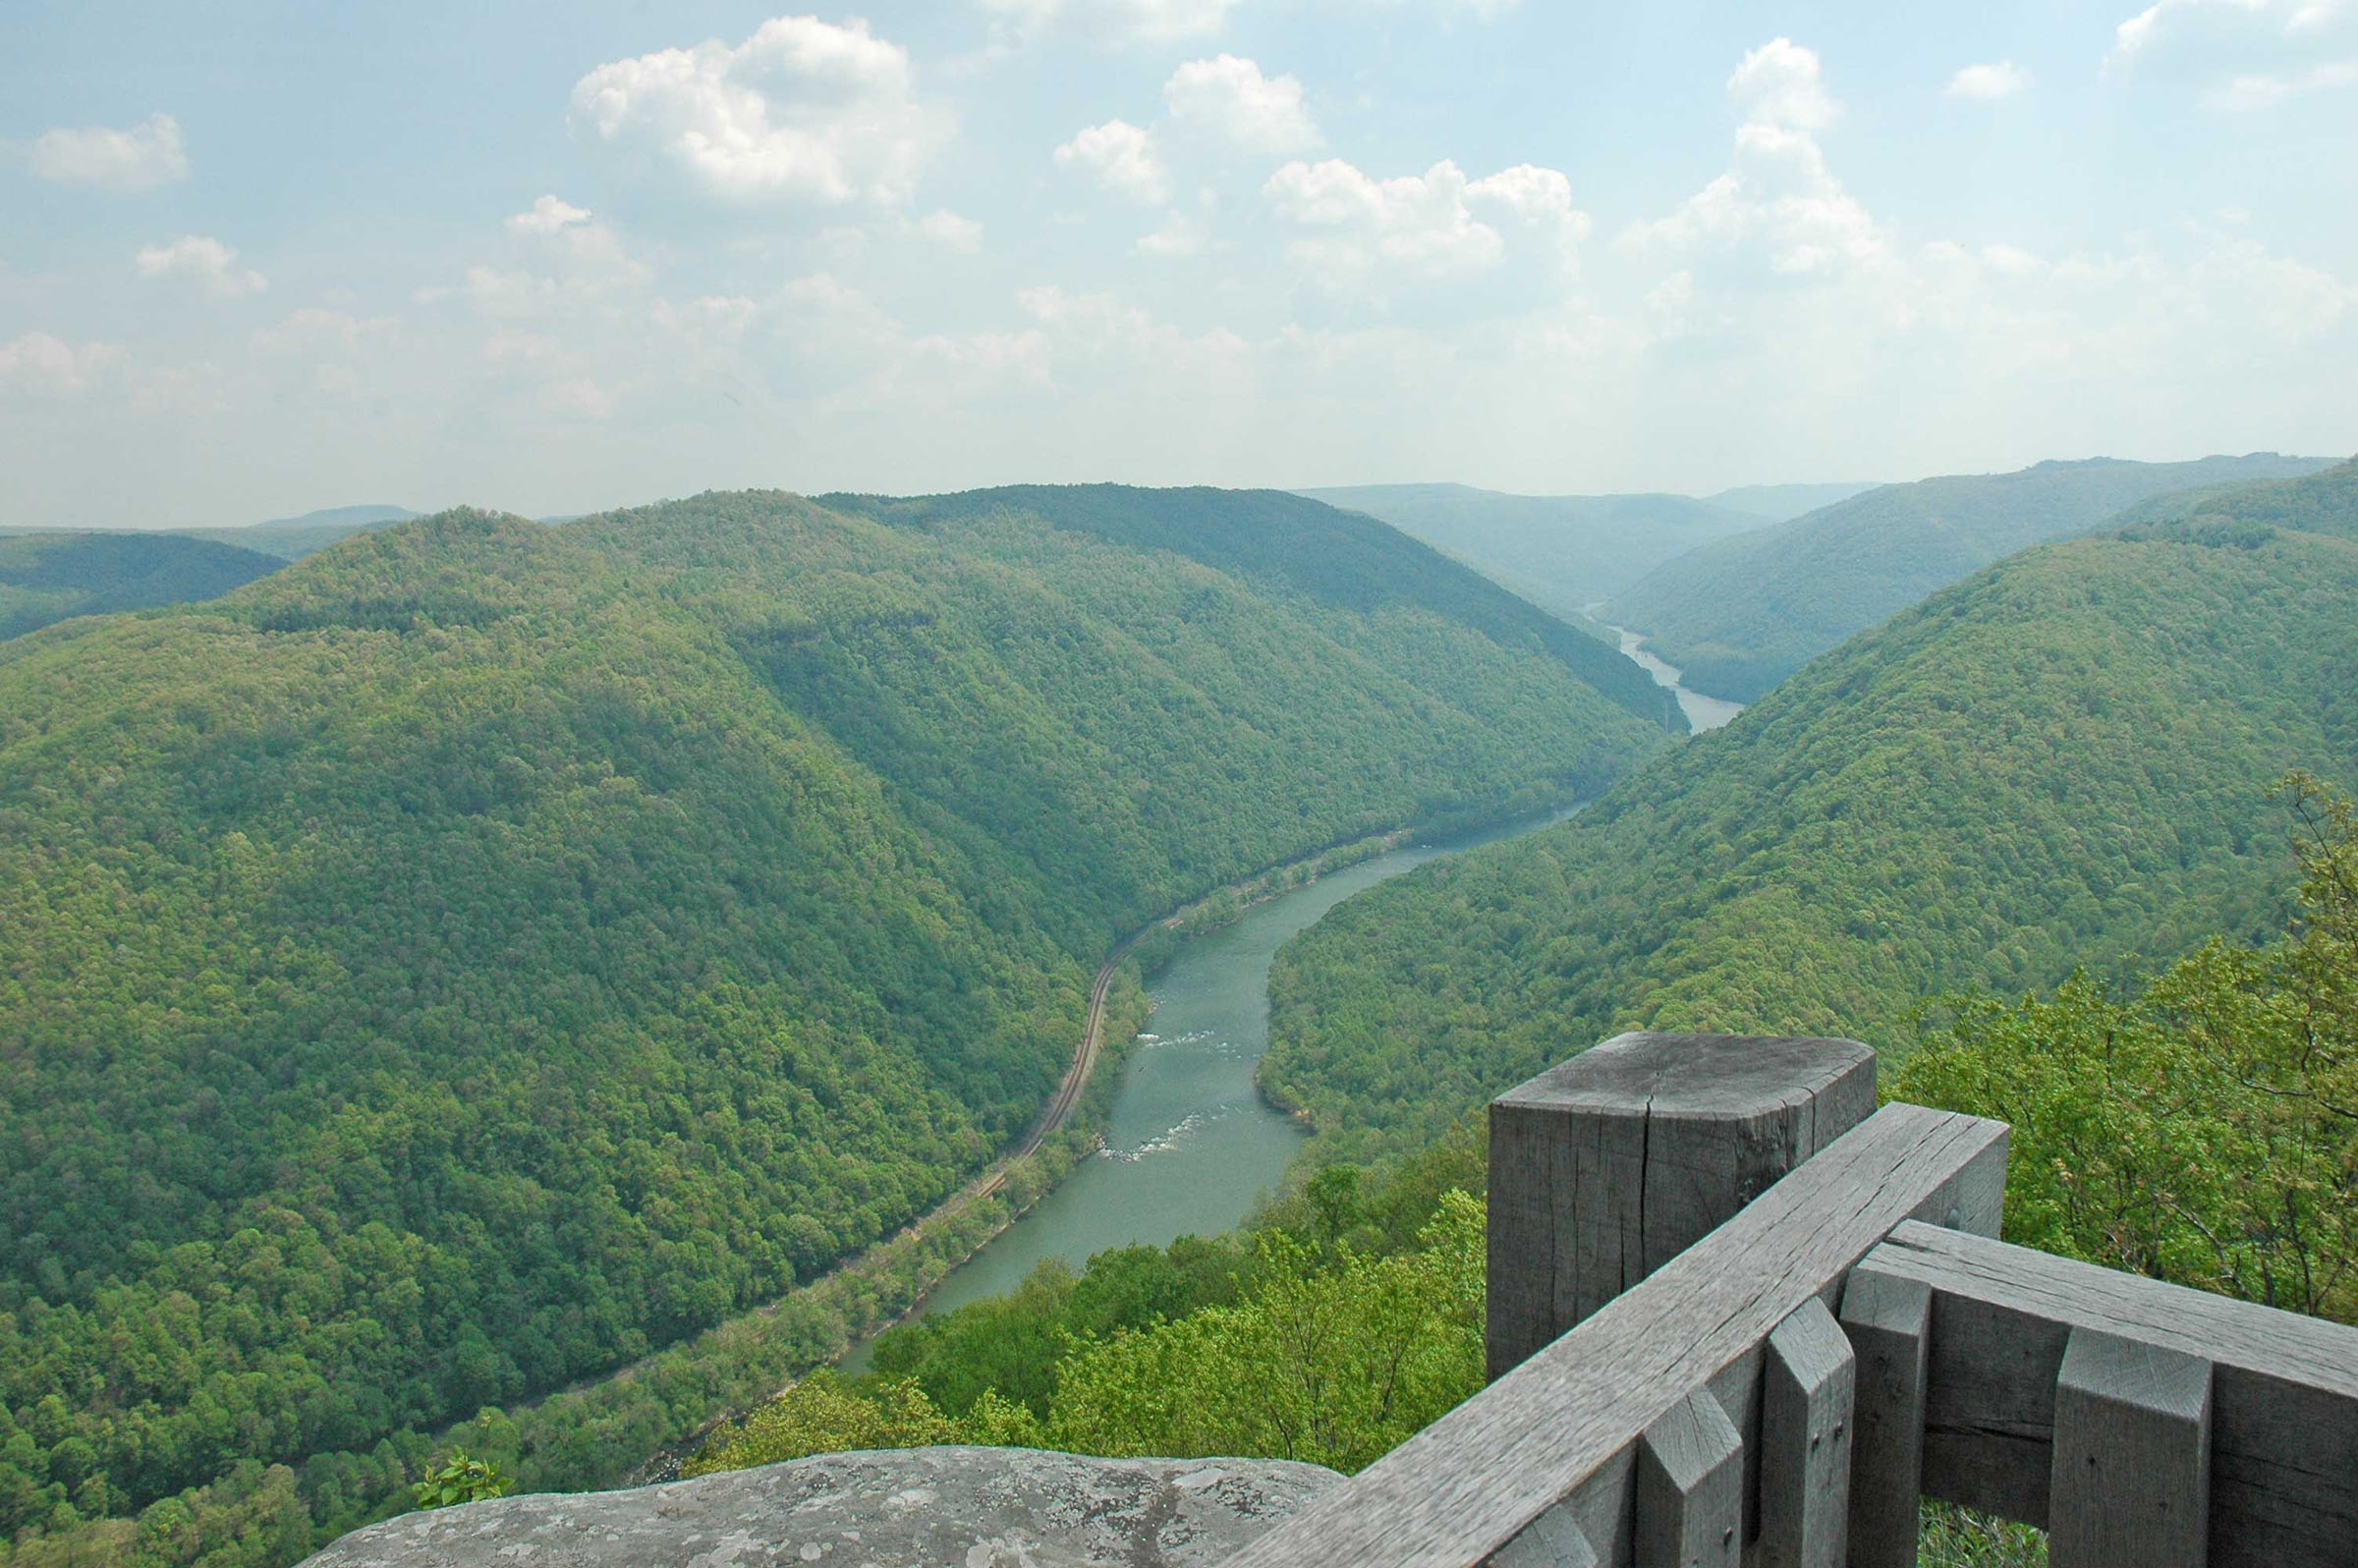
[257, 258]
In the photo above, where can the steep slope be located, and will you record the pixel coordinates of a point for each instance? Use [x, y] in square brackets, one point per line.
[484, 951]
[1338, 559]
[1740, 615]
[1564, 552]
[2063, 762]
[54, 577]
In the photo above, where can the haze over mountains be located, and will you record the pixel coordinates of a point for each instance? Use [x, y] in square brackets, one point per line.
[1562, 552]
[2065, 761]
[1738, 615]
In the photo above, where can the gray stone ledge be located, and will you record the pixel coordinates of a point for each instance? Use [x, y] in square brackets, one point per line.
[906, 1508]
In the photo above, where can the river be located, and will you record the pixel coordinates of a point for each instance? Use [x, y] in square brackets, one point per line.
[1189, 1144]
[1703, 712]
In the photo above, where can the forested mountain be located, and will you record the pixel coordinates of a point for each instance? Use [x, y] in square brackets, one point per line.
[1334, 557]
[484, 951]
[54, 577]
[293, 538]
[1564, 553]
[1739, 615]
[2065, 761]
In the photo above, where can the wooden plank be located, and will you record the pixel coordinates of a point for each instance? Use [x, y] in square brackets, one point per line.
[1554, 1540]
[1889, 1324]
[1470, 1482]
[2285, 1392]
[2132, 1460]
[1690, 1504]
[1604, 1167]
[1808, 1383]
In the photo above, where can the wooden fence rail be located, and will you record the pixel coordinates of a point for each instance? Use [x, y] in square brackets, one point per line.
[1848, 1340]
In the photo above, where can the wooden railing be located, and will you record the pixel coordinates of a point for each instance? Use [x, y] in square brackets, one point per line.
[1738, 1317]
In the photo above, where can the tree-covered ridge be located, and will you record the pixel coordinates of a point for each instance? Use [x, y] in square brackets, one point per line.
[1564, 552]
[1340, 559]
[483, 952]
[45, 578]
[1739, 615]
[2061, 763]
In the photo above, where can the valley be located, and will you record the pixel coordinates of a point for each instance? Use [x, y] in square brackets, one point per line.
[639, 952]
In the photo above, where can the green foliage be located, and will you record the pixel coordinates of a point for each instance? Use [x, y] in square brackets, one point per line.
[2058, 765]
[1951, 1537]
[1341, 560]
[1562, 552]
[53, 576]
[2205, 1130]
[462, 1477]
[1328, 1335]
[1739, 615]
[1335, 1365]
[485, 954]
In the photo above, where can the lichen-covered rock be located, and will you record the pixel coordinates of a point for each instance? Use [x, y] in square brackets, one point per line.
[907, 1508]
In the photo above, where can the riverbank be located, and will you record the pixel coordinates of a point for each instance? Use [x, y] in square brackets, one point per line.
[601, 1433]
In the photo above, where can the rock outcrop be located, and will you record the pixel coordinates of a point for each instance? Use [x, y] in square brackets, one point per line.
[908, 1508]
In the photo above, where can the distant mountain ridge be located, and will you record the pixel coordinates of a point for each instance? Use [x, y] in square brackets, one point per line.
[45, 578]
[1561, 552]
[1738, 615]
[294, 538]
[1778, 503]
[2063, 762]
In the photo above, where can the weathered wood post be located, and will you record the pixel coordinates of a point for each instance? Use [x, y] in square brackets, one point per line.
[1606, 1167]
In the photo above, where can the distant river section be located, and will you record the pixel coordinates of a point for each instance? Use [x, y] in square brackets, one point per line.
[1703, 712]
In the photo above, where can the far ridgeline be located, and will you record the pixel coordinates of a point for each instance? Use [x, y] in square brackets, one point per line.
[46, 578]
[1564, 552]
[2065, 761]
[1739, 615]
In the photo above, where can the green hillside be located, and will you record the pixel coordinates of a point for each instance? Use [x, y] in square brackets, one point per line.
[483, 952]
[54, 577]
[1739, 615]
[1337, 558]
[1564, 553]
[2063, 762]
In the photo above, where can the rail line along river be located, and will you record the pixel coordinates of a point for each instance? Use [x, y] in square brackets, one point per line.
[1189, 1144]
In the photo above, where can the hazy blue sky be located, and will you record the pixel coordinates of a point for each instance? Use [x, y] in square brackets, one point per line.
[261, 257]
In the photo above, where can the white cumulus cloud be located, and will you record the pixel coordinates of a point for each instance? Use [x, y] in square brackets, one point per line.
[1430, 226]
[2262, 91]
[1115, 21]
[1230, 100]
[2000, 79]
[802, 111]
[1119, 156]
[140, 158]
[546, 216]
[1780, 83]
[38, 362]
[2292, 17]
[203, 260]
[1778, 201]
